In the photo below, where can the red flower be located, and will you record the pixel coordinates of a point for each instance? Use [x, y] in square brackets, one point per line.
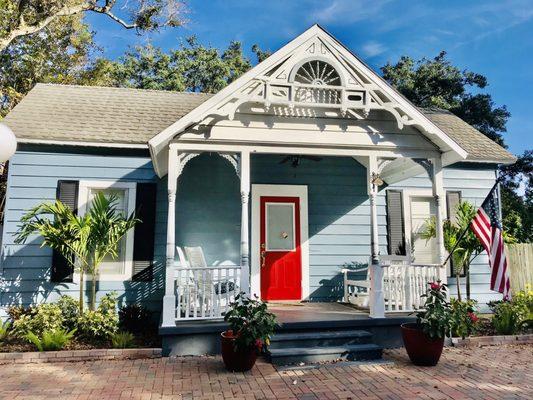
[473, 317]
[258, 343]
[434, 286]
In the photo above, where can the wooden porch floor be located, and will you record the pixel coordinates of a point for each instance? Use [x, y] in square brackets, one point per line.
[288, 313]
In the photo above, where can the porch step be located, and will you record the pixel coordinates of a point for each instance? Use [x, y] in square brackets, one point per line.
[319, 339]
[308, 355]
[312, 346]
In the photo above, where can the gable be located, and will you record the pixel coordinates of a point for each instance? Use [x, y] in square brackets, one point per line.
[312, 77]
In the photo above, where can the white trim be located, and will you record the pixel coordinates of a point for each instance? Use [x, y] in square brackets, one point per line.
[282, 191]
[84, 144]
[158, 143]
[407, 194]
[83, 195]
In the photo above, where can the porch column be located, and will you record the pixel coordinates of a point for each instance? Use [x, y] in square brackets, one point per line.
[376, 300]
[244, 172]
[440, 203]
[169, 299]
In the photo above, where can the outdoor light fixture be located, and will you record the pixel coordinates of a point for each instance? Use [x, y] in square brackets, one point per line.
[376, 179]
[8, 143]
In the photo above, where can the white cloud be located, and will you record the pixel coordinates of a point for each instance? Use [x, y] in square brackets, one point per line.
[372, 49]
[347, 11]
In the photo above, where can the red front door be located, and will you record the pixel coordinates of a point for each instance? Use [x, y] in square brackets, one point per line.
[280, 252]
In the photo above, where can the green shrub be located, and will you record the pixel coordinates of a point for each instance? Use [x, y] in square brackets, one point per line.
[123, 340]
[70, 311]
[44, 317]
[52, 340]
[505, 319]
[523, 304]
[102, 323]
[464, 318]
[5, 326]
[135, 318]
[15, 312]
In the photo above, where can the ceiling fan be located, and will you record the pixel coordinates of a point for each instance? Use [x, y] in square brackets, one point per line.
[295, 160]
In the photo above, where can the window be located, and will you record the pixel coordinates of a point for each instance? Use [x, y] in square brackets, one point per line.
[280, 227]
[119, 268]
[421, 208]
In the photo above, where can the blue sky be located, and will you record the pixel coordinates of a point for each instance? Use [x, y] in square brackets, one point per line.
[491, 37]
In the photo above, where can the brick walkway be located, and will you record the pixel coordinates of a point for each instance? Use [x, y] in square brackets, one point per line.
[482, 373]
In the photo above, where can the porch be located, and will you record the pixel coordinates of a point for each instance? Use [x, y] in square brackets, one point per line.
[310, 321]
[341, 242]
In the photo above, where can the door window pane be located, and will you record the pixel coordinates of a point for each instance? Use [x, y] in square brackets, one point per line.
[279, 226]
[424, 251]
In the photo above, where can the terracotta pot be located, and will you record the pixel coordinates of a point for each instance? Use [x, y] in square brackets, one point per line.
[421, 350]
[236, 361]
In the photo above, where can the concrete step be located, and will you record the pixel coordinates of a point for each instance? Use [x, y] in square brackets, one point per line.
[353, 352]
[319, 338]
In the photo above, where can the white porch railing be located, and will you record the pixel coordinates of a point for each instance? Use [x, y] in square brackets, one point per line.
[205, 292]
[403, 284]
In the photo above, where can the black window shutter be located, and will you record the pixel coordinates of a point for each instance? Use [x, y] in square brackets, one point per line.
[453, 198]
[395, 223]
[67, 193]
[144, 235]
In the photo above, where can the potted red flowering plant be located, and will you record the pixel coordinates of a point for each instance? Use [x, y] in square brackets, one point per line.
[251, 325]
[424, 339]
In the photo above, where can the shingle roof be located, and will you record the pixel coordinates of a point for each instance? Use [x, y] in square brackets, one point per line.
[134, 116]
[478, 146]
[98, 114]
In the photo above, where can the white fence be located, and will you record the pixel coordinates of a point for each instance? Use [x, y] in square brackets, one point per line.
[404, 284]
[206, 292]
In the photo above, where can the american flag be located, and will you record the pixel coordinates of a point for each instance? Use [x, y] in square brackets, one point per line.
[488, 229]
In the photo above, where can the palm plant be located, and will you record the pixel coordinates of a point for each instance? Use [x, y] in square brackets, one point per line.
[465, 249]
[83, 240]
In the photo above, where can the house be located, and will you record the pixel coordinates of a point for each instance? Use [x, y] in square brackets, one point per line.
[307, 164]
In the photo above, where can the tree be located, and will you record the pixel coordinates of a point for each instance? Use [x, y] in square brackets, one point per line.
[25, 17]
[57, 54]
[438, 83]
[192, 67]
[83, 240]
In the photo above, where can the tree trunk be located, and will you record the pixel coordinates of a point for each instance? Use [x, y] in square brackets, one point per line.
[93, 292]
[458, 279]
[467, 273]
[81, 291]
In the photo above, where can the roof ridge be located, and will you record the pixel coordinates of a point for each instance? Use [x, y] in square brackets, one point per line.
[122, 88]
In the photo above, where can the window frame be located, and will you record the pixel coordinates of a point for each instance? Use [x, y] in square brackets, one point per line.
[407, 194]
[131, 190]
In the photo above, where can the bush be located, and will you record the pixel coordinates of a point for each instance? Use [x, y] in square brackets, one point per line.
[135, 318]
[15, 312]
[523, 304]
[51, 340]
[463, 317]
[70, 311]
[102, 323]
[44, 317]
[123, 340]
[5, 326]
[505, 319]
[435, 320]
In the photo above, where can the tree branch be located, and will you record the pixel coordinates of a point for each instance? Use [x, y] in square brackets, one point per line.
[24, 29]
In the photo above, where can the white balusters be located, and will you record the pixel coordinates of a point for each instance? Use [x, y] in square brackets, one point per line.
[404, 283]
[206, 292]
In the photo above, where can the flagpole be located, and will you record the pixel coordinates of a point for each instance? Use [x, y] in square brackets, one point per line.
[467, 227]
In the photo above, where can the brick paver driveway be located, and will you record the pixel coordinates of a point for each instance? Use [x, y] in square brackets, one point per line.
[484, 373]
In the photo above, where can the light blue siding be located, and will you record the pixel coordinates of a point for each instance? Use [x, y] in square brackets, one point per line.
[33, 177]
[208, 215]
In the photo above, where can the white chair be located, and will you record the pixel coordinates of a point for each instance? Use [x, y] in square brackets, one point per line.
[359, 295]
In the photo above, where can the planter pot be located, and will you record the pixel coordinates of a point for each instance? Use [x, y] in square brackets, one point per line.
[236, 361]
[421, 350]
